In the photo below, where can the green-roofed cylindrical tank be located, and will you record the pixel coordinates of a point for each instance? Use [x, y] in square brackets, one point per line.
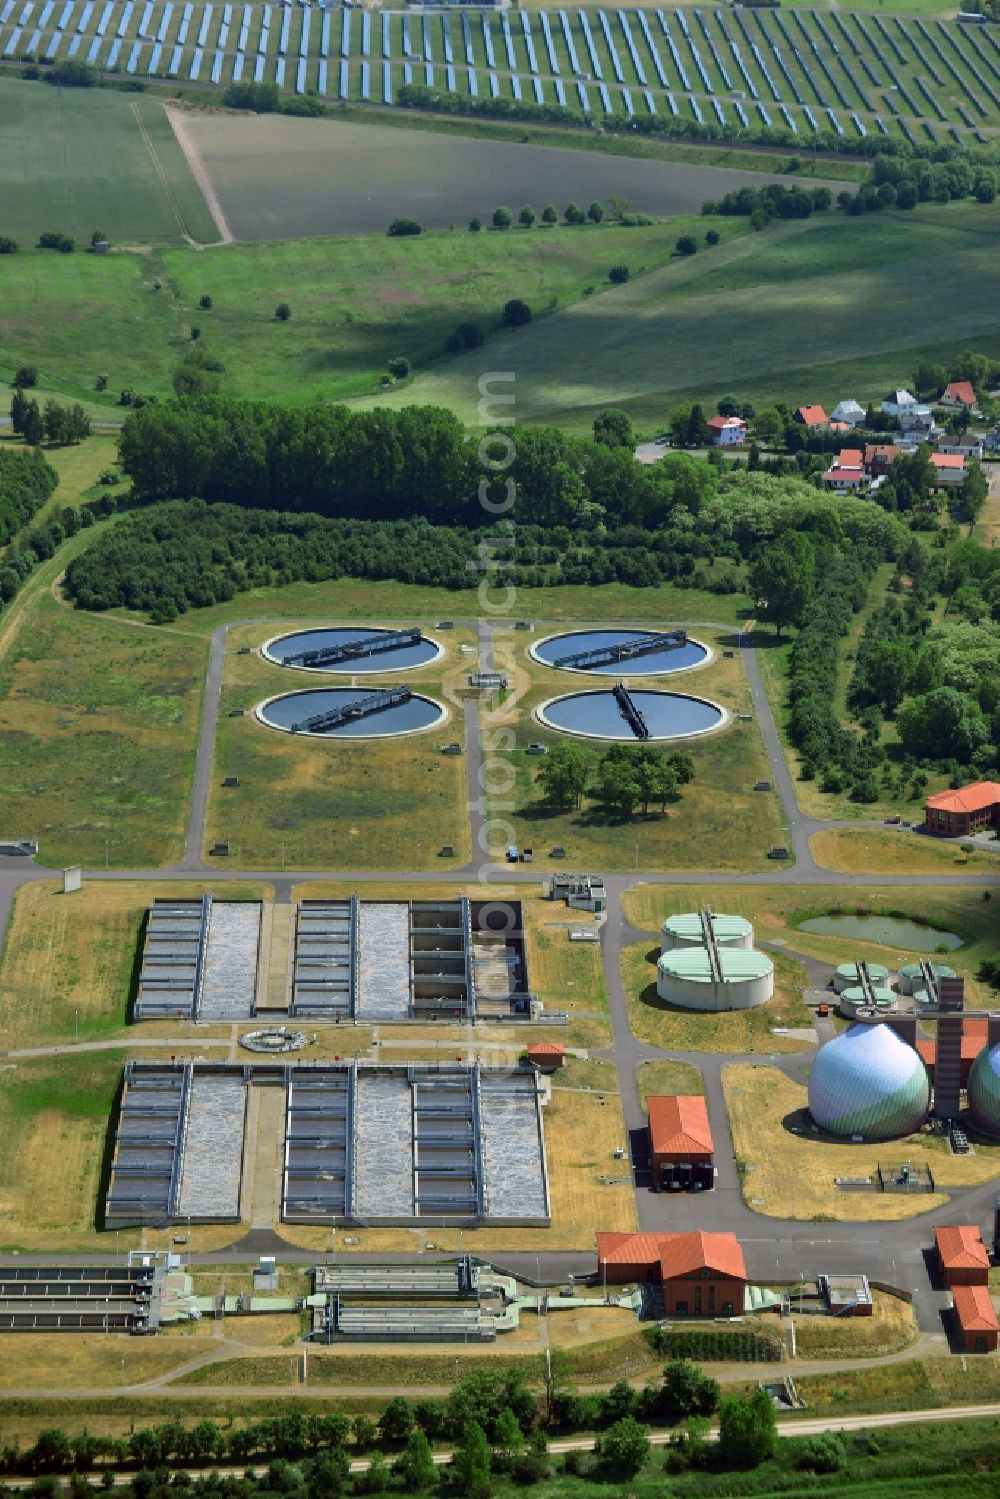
[854, 999]
[687, 931]
[685, 978]
[847, 976]
[868, 1083]
[911, 976]
[984, 1090]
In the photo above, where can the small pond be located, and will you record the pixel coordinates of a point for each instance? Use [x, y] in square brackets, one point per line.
[890, 931]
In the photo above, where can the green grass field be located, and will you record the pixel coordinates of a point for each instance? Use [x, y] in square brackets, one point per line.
[81, 160]
[805, 311]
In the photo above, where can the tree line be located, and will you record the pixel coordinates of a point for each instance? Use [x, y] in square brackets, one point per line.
[624, 778]
[497, 1427]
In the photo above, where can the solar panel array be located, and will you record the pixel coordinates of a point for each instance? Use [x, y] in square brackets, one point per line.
[798, 69]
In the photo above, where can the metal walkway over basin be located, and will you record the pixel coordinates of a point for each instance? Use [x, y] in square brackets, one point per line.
[362, 707]
[354, 650]
[628, 710]
[625, 650]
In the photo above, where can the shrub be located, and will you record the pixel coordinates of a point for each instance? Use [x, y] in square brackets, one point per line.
[618, 274]
[516, 313]
[399, 367]
[72, 74]
[51, 240]
[282, 312]
[712, 237]
[595, 212]
[686, 245]
[822, 1454]
[404, 228]
[574, 214]
[454, 343]
[471, 335]
[550, 214]
[475, 225]
[205, 301]
[25, 377]
[502, 218]
[527, 216]
[262, 98]
[8, 246]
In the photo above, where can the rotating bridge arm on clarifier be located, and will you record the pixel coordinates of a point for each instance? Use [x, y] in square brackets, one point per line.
[362, 707]
[627, 650]
[629, 711]
[354, 650]
[711, 946]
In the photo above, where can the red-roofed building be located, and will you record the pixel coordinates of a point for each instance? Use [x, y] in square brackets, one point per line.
[679, 1134]
[812, 416]
[726, 431]
[958, 396]
[880, 456]
[846, 472]
[974, 1032]
[703, 1275]
[547, 1056]
[949, 469]
[952, 814]
[975, 1319]
[962, 1255]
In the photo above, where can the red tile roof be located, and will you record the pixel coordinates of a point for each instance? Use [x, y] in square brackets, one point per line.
[961, 1247]
[812, 416]
[838, 475]
[682, 1253]
[961, 390]
[975, 797]
[678, 1124]
[548, 1051]
[886, 451]
[947, 460]
[973, 1041]
[678, 1254]
[974, 1309]
[719, 423]
[839, 426]
[850, 458]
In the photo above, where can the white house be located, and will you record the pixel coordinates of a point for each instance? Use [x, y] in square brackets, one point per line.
[898, 401]
[727, 431]
[848, 411]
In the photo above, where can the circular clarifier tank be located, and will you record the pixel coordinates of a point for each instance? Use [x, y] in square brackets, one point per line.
[351, 713]
[564, 651]
[601, 715]
[364, 648]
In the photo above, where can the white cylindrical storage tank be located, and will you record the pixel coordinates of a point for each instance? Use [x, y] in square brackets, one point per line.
[687, 931]
[684, 977]
[847, 976]
[911, 976]
[854, 999]
[924, 999]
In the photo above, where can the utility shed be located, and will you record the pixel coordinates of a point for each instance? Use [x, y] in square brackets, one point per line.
[680, 1140]
[962, 1255]
[975, 1319]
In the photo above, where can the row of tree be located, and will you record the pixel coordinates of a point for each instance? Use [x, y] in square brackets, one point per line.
[54, 423]
[493, 1421]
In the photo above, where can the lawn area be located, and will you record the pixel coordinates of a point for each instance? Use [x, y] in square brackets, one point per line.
[776, 910]
[790, 1171]
[720, 820]
[891, 1327]
[361, 598]
[98, 727]
[67, 1360]
[792, 300]
[54, 1116]
[309, 802]
[565, 975]
[78, 466]
[665, 1077]
[69, 961]
[678, 1029]
[871, 851]
[54, 175]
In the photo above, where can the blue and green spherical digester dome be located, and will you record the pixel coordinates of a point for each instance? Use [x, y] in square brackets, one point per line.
[870, 1083]
[984, 1090]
